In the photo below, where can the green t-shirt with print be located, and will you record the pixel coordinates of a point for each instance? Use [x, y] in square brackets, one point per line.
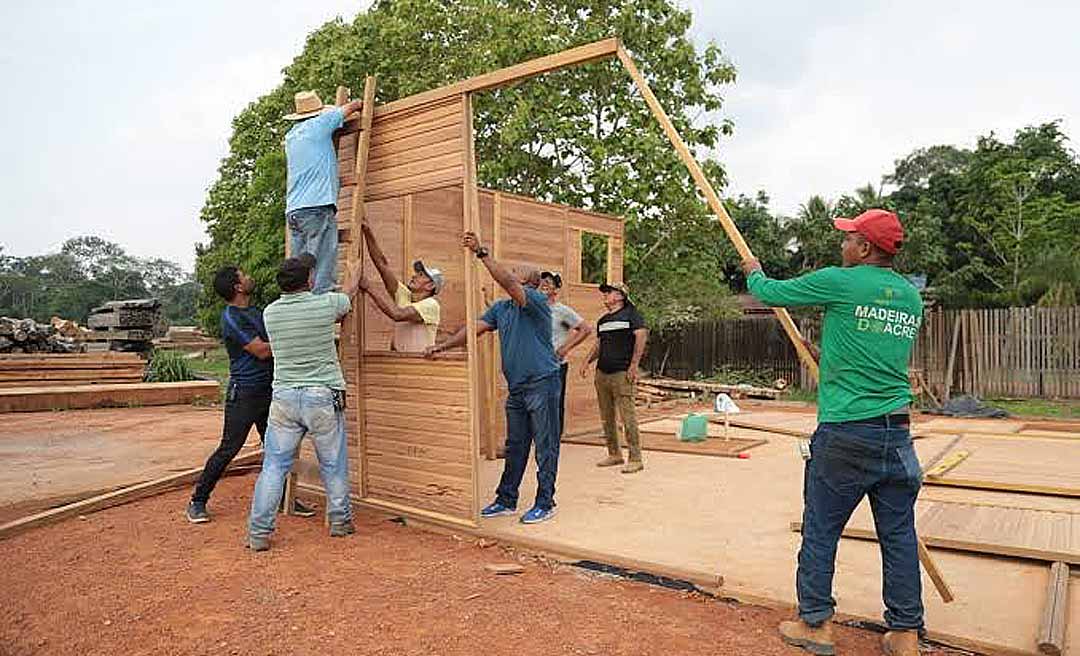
[872, 317]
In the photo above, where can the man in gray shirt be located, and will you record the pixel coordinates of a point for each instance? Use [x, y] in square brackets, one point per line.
[568, 330]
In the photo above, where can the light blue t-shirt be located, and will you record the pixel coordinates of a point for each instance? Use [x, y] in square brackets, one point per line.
[312, 162]
[524, 338]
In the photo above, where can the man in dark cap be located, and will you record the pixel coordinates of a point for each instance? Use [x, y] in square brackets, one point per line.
[308, 397]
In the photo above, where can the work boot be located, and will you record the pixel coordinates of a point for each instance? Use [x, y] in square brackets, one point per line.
[633, 467]
[900, 643]
[258, 543]
[814, 639]
[342, 530]
[610, 461]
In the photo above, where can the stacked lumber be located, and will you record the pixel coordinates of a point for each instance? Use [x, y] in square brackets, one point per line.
[29, 336]
[670, 387]
[51, 370]
[124, 395]
[126, 325]
[186, 338]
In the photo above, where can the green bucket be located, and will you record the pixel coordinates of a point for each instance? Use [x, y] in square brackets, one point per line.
[695, 428]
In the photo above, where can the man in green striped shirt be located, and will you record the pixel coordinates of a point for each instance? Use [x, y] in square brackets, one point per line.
[308, 397]
[862, 446]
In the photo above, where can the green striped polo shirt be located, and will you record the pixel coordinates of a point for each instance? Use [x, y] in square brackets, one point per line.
[301, 329]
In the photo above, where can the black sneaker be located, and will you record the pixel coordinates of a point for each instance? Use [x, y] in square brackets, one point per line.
[196, 512]
[302, 510]
[342, 530]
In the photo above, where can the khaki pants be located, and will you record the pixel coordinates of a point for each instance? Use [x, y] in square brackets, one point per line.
[613, 392]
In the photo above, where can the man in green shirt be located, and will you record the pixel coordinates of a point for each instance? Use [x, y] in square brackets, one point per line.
[308, 397]
[862, 446]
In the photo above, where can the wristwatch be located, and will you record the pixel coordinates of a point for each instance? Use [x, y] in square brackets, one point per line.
[481, 252]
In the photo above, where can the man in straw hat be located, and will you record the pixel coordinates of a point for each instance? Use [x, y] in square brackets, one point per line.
[862, 445]
[312, 184]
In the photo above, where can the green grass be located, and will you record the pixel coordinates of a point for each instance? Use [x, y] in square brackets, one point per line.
[215, 364]
[1063, 409]
[800, 394]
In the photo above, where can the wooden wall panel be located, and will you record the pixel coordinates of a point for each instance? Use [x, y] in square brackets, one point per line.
[418, 444]
[386, 218]
[416, 150]
[436, 238]
[532, 233]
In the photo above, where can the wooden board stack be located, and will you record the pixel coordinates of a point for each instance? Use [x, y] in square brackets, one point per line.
[62, 369]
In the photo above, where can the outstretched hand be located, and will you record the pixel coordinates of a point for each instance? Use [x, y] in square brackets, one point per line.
[750, 265]
[430, 351]
[470, 241]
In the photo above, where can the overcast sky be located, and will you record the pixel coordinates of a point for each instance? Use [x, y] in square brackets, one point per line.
[118, 112]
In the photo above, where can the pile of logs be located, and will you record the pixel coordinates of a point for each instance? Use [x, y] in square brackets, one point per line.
[29, 336]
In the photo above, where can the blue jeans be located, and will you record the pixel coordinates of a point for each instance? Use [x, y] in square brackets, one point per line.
[314, 230]
[848, 461]
[532, 414]
[294, 413]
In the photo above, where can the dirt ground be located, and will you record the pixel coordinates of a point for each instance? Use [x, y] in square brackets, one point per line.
[52, 458]
[138, 579]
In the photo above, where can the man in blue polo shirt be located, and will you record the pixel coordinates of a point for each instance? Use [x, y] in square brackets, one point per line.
[247, 398]
[312, 182]
[532, 378]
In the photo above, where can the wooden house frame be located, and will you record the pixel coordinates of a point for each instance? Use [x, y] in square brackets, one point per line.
[416, 426]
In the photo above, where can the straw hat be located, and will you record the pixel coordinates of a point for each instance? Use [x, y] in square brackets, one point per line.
[308, 104]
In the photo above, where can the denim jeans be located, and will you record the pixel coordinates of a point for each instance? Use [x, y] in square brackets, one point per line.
[848, 461]
[314, 230]
[532, 414]
[245, 406]
[294, 413]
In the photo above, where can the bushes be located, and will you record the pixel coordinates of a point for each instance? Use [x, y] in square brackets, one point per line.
[168, 367]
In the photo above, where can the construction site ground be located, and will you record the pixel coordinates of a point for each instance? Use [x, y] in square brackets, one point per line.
[139, 579]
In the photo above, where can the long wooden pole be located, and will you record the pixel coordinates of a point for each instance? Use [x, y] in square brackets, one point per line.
[706, 189]
[357, 218]
[732, 230]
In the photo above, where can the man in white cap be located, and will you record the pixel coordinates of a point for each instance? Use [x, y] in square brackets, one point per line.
[312, 184]
[415, 310]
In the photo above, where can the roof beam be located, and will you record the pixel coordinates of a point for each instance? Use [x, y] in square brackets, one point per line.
[505, 76]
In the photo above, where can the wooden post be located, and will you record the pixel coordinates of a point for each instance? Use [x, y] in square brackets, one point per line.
[706, 190]
[1051, 637]
[471, 222]
[952, 359]
[363, 144]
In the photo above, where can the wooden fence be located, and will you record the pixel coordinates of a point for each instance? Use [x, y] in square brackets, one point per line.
[1011, 352]
[758, 344]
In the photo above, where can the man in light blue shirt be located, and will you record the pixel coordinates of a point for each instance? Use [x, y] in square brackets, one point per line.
[312, 184]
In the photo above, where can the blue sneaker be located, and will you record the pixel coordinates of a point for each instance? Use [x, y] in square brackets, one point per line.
[537, 514]
[496, 509]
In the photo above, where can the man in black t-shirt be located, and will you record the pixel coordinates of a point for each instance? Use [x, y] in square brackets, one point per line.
[621, 338]
[247, 399]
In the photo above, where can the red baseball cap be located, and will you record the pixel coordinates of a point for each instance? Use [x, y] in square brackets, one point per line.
[880, 227]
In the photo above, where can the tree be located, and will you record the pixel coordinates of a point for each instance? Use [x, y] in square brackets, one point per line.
[816, 242]
[581, 136]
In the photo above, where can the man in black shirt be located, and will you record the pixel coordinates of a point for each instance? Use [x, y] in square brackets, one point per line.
[251, 373]
[621, 338]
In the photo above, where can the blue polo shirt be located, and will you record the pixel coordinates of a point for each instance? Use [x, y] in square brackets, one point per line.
[524, 338]
[239, 326]
[311, 161]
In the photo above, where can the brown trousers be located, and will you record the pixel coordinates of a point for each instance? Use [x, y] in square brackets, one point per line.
[613, 392]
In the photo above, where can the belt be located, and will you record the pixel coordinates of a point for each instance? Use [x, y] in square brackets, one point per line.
[894, 419]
